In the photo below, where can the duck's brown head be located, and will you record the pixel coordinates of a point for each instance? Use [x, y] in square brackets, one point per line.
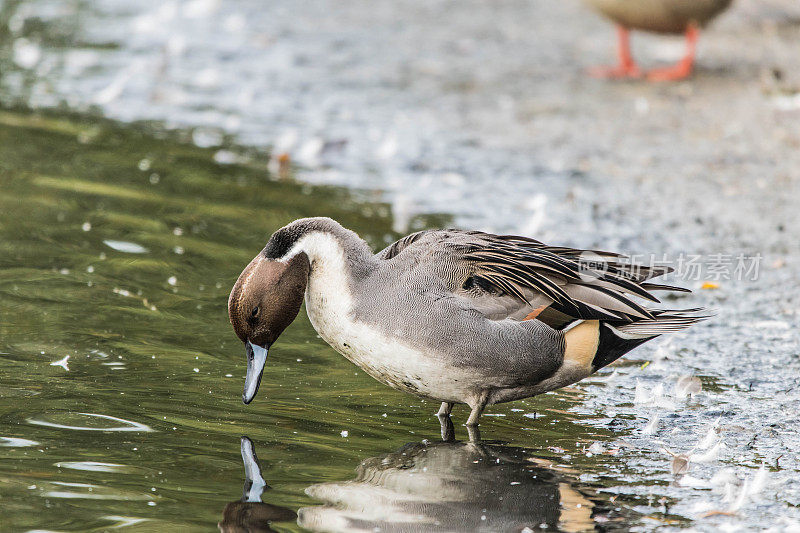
[264, 301]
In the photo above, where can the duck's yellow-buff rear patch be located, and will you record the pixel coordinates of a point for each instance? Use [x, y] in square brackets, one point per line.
[581, 343]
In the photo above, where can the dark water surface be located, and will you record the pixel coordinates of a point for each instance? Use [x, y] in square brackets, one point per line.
[121, 378]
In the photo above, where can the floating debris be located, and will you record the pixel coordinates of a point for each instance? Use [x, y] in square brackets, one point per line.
[204, 137]
[691, 482]
[787, 102]
[309, 153]
[656, 397]
[93, 466]
[663, 350]
[227, 157]
[641, 396]
[687, 386]
[595, 449]
[710, 438]
[126, 247]
[717, 513]
[679, 465]
[712, 454]
[61, 362]
[128, 294]
[751, 488]
[279, 165]
[27, 54]
[651, 426]
[387, 149]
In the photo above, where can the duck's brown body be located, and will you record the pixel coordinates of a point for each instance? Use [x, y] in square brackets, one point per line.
[660, 16]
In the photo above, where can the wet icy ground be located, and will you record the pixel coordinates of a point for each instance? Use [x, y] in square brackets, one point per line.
[482, 110]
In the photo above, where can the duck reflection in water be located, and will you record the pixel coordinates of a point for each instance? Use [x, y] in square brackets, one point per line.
[429, 486]
[250, 515]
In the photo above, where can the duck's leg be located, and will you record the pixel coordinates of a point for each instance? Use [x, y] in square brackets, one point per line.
[682, 68]
[445, 409]
[627, 67]
[474, 434]
[448, 431]
[478, 405]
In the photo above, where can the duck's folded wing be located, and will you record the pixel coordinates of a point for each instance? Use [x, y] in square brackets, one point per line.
[394, 249]
[505, 276]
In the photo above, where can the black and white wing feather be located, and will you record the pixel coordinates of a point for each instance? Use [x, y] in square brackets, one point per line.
[507, 276]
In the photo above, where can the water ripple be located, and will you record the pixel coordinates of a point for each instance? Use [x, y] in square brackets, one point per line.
[88, 491]
[93, 466]
[16, 442]
[129, 425]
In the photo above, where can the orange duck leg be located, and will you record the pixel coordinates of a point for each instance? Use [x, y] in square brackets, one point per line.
[627, 67]
[683, 68]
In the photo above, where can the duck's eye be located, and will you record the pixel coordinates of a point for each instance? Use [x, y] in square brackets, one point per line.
[254, 313]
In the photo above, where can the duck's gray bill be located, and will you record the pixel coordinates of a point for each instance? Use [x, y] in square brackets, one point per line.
[256, 359]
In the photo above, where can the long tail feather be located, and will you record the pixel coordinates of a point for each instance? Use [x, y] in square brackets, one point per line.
[664, 321]
[616, 340]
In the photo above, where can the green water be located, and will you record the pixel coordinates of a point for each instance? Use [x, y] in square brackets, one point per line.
[118, 246]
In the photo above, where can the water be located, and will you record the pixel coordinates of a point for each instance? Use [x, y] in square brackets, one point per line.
[494, 125]
[122, 377]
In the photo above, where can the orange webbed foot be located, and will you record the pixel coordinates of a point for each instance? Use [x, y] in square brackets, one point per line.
[617, 72]
[682, 69]
[677, 72]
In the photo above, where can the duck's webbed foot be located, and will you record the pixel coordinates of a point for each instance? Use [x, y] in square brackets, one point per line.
[627, 67]
[683, 68]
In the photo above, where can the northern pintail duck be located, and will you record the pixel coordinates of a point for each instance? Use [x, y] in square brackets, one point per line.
[660, 16]
[450, 315]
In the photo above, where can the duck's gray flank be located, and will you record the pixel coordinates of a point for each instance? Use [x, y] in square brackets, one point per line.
[460, 316]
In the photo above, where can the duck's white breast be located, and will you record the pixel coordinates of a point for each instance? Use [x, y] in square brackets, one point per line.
[330, 305]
